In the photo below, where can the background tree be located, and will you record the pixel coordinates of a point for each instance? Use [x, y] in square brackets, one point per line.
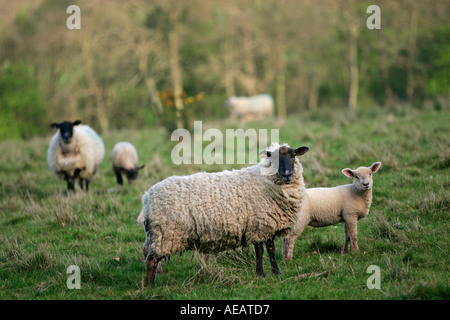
[140, 63]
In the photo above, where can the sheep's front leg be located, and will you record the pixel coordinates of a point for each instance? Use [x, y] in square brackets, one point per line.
[259, 250]
[80, 183]
[351, 234]
[289, 241]
[86, 182]
[70, 185]
[118, 177]
[288, 247]
[273, 261]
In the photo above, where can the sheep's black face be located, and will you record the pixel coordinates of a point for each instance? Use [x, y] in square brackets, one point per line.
[286, 164]
[132, 174]
[65, 129]
[286, 161]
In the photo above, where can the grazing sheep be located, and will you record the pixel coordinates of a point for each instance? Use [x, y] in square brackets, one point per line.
[75, 152]
[328, 206]
[250, 108]
[214, 212]
[124, 160]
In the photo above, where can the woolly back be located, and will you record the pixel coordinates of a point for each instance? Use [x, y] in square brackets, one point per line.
[124, 154]
[84, 128]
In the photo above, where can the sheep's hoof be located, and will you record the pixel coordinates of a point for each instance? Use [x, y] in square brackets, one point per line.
[261, 274]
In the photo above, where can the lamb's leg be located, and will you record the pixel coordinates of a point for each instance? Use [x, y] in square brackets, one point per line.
[273, 261]
[289, 241]
[118, 177]
[259, 250]
[288, 247]
[86, 182]
[354, 237]
[351, 235]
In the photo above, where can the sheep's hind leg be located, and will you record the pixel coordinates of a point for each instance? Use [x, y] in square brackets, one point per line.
[273, 260]
[259, 250]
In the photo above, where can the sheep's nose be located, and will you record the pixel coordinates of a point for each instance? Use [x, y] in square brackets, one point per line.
[287, 173]
[286, 176]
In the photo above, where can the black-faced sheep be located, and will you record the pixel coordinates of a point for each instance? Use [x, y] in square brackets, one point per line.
[124, 160]
[75, 152]
[213, 212]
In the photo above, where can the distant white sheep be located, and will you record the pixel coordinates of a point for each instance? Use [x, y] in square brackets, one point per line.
[124, 160]
[328, 206]
[250, 108]
[213, 212]
[75, 152]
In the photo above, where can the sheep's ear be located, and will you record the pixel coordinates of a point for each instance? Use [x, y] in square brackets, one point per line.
[301, 151]
[265, 154]
[374, 167]
[54, 126]
[77, 122]
[348, 172]
[141, 167]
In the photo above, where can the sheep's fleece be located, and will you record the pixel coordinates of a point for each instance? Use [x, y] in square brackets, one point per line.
[86, 152]
[213, 212]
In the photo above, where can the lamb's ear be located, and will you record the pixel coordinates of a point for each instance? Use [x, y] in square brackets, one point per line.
[374, 167]
[141, 167]
[348, 172]
[301, 151]
[77, 122]
[265, 154]
[54, 126]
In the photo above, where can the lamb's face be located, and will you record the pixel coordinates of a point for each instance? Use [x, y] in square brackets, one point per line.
[286, 160]
[132, 174]
[362, 177]
[65, 130]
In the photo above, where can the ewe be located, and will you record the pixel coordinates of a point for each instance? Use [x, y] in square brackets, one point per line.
[214, 212]
[75, 152]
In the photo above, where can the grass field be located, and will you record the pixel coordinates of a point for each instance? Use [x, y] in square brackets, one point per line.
[43, 231]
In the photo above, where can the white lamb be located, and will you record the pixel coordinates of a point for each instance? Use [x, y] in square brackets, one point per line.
[328, 206]
[75, 152]
[124, 160]
[213, 212]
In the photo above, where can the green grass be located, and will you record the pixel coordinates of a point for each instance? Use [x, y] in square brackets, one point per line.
[43, 231]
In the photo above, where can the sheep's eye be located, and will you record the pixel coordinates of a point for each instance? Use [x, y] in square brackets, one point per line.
[370, 174]
[357, 177]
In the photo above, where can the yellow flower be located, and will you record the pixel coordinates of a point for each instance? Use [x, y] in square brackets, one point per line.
[199, 96]
[190, 100]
